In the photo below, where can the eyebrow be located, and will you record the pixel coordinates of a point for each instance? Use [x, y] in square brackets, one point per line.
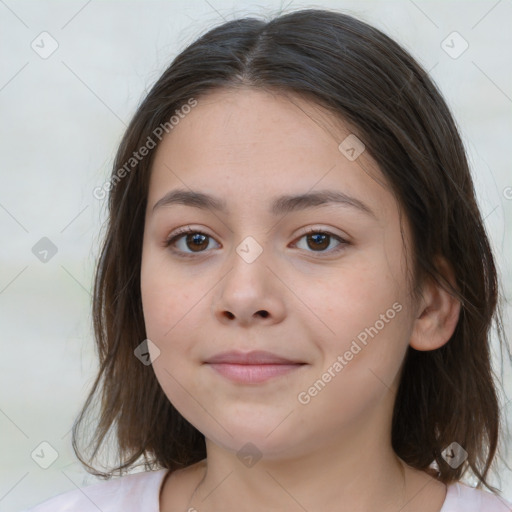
[282, 205]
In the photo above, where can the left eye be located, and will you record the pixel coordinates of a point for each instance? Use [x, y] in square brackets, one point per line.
[320, 240]
[198, 242]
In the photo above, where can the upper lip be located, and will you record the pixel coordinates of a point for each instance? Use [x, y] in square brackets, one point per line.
[253, 357]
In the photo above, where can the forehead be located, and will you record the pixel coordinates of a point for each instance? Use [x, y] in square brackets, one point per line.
[248, 144]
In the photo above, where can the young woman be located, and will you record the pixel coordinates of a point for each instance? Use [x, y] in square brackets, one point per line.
[295, 294]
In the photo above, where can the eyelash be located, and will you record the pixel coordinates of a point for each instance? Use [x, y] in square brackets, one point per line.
[174, 237]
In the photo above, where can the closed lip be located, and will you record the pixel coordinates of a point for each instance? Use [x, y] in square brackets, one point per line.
[255, 357]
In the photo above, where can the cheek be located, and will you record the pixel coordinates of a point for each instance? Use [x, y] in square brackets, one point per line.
[167, 309]
[351, 298]
[158, 305]
[167, 297]
[365, 320]
[175, 307]
[361, 362]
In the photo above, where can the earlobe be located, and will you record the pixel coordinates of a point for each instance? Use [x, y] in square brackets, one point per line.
[438, 312]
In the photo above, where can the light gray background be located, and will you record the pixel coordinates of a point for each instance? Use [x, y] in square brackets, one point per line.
[61, 121]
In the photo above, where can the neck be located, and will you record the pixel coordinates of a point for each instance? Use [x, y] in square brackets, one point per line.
[334, 477]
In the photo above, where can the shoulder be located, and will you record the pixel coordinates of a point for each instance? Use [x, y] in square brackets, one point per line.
[462, 498]
[139, 491]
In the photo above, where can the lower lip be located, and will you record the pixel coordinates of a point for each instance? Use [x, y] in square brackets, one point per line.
[253, 373]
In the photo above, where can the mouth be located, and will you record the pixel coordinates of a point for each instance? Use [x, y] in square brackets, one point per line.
[252, 367]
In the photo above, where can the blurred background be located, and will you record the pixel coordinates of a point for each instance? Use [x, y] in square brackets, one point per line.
[72, 74]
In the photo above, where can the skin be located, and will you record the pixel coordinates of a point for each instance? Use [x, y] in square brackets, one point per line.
[247, 147]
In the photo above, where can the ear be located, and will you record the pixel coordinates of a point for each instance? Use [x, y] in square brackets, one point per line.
[438, 312]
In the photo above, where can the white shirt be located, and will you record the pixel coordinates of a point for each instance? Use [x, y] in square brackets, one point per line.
[141, 492]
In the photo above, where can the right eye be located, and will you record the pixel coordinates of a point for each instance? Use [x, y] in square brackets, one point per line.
[189, 239]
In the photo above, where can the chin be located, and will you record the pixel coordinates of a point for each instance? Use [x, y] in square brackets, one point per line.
[256, 442]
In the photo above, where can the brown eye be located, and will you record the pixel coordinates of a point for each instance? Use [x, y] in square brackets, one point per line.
[319, 241]
[196, 241]
[189, 241]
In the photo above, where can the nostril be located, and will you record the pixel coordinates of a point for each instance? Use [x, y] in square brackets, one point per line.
[264, 314]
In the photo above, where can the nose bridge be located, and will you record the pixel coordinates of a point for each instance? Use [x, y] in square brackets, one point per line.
[248, 265]
[246, 290]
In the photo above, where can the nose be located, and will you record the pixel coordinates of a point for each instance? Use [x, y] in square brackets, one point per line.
[249, 293]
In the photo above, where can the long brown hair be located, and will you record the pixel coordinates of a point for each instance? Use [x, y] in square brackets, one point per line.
[368, 80]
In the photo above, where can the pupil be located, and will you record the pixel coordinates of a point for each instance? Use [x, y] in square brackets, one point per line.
[198, 240]
[316, 241]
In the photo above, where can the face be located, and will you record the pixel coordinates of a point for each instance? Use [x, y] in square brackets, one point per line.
[321, 284]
